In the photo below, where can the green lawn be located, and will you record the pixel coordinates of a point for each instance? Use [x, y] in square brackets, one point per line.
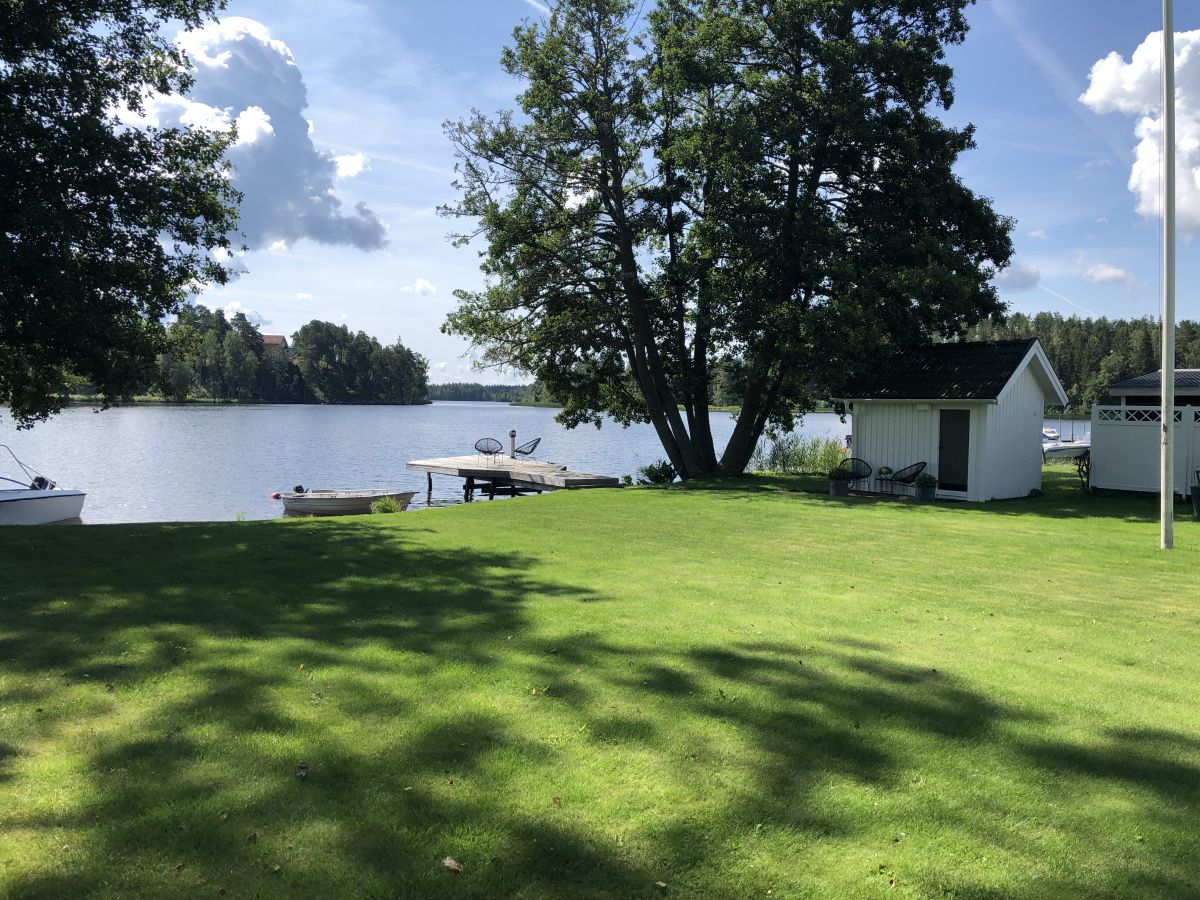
[737, 690]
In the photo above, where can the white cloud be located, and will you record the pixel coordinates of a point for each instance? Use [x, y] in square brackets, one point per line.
[255, 318]
[350, 165]
[252, 124]
[1018, 277]
[304, 296]
[1133, 88]
[1106, 273]
[540, 7]
[1039, 234]
[244, 76]
[440, 366]
[421, 286]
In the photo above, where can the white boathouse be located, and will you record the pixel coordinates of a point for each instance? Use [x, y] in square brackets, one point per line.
[973, 412]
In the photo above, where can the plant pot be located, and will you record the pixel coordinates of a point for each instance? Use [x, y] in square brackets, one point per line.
[838, 488]
[1196, 500]
[926, 494]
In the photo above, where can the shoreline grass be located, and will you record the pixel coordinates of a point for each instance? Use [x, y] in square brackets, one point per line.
[733, 688]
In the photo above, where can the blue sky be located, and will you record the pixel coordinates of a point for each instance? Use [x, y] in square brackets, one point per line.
[380, 76]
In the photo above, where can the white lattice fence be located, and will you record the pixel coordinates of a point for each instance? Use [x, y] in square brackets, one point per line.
[1125, 447]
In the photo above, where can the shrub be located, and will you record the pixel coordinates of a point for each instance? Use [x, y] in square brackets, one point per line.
[794, 454]
[385, 505]
[925, 480]
[661, 472]
[841, 473]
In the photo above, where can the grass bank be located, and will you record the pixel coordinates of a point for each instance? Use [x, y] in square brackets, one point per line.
[733, 689]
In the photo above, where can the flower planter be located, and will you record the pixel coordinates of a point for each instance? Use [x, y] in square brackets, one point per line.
[926, 494]
[839, 488]
[1196, 500]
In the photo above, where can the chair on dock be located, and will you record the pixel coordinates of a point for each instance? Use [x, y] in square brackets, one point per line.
[526, 450]
[489, 448]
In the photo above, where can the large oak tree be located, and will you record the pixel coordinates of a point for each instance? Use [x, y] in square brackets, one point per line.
[104, 229]
[760, 188]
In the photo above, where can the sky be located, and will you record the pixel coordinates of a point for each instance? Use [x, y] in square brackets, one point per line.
[343, 162]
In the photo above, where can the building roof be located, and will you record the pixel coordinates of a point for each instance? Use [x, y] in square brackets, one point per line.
[274, 340]
[1151, 382]
[972, 370]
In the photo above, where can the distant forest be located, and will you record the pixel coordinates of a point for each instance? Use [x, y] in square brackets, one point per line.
[500, 393]
[1087, 354]
[1091, 354]
[215, 358]
[226, 359]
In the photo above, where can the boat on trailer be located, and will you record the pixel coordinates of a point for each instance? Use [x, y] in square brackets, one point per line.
[35, 499]
[338, 503]
[1064, 449]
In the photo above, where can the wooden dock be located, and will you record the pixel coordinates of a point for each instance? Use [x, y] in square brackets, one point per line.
[508, 475]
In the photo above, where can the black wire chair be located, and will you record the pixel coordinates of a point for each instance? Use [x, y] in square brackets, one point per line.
[908, 475]
[489, 448]
[526, 449]
[860, 470]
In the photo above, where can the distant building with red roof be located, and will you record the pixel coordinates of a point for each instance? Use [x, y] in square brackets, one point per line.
[275, 343]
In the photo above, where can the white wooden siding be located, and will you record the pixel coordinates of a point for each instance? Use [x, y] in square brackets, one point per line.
[1125, 447]
[900, 433]
[1012, 462]
[893, 434]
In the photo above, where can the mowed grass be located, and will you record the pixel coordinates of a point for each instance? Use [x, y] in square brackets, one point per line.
[735, 690]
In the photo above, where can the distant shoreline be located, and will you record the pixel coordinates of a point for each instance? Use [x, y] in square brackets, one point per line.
[140, 400]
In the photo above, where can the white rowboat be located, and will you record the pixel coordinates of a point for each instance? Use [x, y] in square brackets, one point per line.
[339, 503]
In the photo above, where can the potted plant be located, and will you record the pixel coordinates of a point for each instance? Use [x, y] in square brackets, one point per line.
[926, 486]
[839, 482]
[884, 471]
[1196, 495]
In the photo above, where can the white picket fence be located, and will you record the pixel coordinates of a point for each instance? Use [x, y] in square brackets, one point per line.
[1125, 447]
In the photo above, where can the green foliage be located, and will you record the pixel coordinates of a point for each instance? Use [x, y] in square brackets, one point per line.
[724, 200]
[795, 454]
[210, 357]
[926, 480]
[1088, 355]
[105, 229]
[504, 393]
[840, 473]
[661, 472]
[385, 505]
[340, 366]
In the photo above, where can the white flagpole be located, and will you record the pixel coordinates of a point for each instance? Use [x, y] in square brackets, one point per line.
[1167, 480]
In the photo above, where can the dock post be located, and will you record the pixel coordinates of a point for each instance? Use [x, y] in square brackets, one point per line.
[469, 489]
[429, 482]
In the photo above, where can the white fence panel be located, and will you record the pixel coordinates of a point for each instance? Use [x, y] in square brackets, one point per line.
[1125, 447]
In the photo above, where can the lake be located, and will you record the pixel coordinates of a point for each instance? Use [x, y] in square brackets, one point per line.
[209, 463]
[159, 463]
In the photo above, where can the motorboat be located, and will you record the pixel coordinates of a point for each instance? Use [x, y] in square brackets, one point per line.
[1050, 434]
[34, 499]
[338, 503]
[1064, 449]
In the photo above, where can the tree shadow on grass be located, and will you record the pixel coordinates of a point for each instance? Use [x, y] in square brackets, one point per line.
[437, 718]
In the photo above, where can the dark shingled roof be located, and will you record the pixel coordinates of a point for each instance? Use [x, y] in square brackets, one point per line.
[1184, 378]
[971, 370]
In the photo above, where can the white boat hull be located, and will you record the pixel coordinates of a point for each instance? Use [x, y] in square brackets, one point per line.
[339, 503]
[1065, 449]
[30, 507]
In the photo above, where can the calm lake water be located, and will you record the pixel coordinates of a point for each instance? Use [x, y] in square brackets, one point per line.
[206, 463]
[210, 463]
